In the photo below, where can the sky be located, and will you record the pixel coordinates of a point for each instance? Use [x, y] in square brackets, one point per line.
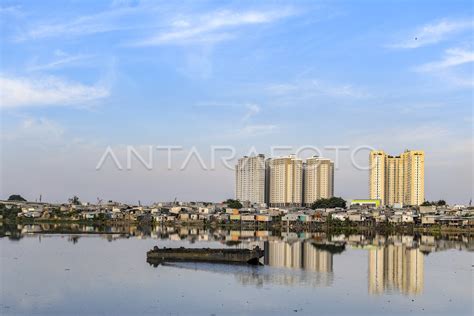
[85, 81]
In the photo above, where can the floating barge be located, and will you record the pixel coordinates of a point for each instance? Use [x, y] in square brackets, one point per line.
[250, 256]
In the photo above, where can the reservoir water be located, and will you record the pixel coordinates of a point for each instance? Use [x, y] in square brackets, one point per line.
[90, 273]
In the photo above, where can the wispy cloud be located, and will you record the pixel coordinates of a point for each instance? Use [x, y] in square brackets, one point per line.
[212, 27]
[252, 110]
[433, 33]
[10, 10]
[62, 60]
[169, 28]
[257, 130]
[315, 87]
[45, 91]
[454, 68]
[106, 21]
[453, 57]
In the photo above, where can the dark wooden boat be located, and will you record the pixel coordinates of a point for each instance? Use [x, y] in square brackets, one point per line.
[226, 255]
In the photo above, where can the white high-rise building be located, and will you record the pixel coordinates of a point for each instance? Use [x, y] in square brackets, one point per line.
[318, 179]
[286, 181]
[397, 179]
[250, 179]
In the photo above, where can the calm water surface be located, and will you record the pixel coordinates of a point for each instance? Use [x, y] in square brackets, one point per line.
[64, 274]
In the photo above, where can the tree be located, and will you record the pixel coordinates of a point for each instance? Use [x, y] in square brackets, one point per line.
[437, 203]
[16, 197]
[75, 200]
[329, 203]
[233, 204]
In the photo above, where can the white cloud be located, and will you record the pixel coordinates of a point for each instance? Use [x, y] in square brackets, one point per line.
[44, 91]
[433, 33]
[453, 57]
[212, 27]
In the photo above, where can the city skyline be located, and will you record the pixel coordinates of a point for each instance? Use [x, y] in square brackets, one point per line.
[83, 77]
[283, 181]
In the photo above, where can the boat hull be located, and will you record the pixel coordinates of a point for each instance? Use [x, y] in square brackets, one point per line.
[249, 256]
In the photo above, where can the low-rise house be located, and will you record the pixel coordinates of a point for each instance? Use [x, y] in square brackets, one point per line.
[32, 214]
[175, 209]
[304, 218]
[263, 218]
[356, 217]
[116, 209]
[183, 216]
[170, 217]
[91, 215]
[453, 221]
[430, 209]
[235, 217]
[407, 218]
[262, 233]
[204, 210]
[159, 218]
[429, 219]
[247, 233]
[339, 216]
[395, 219]
[290, 217]
[204, 217]
[229, 211]
[223, 217]
[247, 218]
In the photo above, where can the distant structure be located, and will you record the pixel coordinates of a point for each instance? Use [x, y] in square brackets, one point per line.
[250, 179]
[283, 181]
[397, 179]
[318, 179]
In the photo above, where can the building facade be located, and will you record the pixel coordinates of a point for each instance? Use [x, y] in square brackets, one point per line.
[397, 179]
[414, 177]
[377, 161]
[318, 179]
[285, 181]
[250, 179]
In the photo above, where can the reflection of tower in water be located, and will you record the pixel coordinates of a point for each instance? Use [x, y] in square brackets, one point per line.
[300, 255]
[396, 267]
[303, 255]
[316, 259]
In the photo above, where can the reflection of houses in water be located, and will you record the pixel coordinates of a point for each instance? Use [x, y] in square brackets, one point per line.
[396, 267]
[301, 255]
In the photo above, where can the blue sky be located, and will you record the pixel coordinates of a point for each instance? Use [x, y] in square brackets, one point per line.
[79, 76]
